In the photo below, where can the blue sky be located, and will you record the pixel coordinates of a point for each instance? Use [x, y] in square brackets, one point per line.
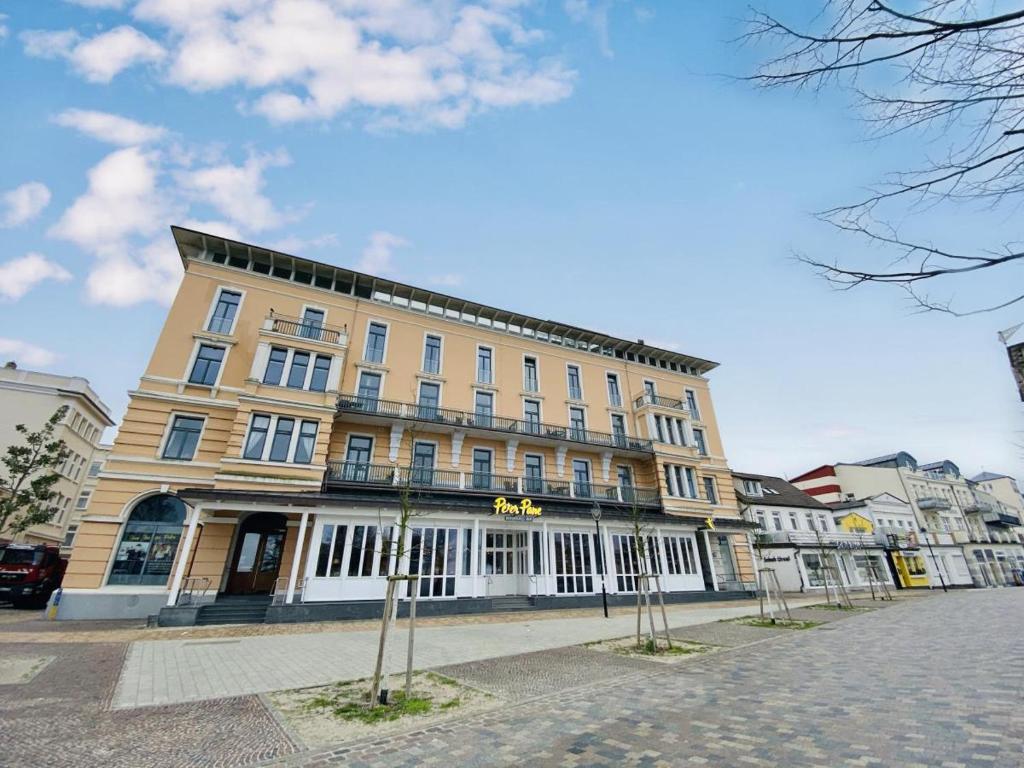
[585, 161]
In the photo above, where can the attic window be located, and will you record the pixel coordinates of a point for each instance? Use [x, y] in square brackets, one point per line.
[752, 487]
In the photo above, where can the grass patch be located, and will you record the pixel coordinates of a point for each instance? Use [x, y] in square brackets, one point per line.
[347, 709]
[834, 607]
[660, 648]
[757, 621]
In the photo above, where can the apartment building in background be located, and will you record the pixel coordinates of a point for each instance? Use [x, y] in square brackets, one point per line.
[31, 398]
[289, 405]
[81, 506]
[964, 541]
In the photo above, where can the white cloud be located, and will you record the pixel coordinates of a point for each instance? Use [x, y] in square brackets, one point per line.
[26, 354]
[593, 13]
[398, 63]
[293, 244]
[110, 128]
[113, 4]
[3, 26]
[236, 190]
[378, 255]
[98, 59]
[121, 280]
[23, 203]
[19, 276]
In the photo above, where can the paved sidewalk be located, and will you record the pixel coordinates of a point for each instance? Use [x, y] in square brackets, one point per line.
[181, 670]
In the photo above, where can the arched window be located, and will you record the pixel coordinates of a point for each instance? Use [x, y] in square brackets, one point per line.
[149, 541]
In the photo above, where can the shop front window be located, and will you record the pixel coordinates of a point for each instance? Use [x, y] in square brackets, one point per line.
[149, 542]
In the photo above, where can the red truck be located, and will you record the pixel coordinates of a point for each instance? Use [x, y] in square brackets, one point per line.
[29, 573]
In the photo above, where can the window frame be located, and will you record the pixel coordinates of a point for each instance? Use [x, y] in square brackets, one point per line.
[609, 377]
[317, 357]
[169, 429]
[200, 343]
[370, 322]
[581, 397]
[491, 358]
[271, 434]
[536, 372]
[695, 411]
[213, 307]
[440, 353]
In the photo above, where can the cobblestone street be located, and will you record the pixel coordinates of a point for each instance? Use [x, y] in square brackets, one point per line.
[940, 687]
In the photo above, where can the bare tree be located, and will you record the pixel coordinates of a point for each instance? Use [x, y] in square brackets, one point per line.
[954, 69]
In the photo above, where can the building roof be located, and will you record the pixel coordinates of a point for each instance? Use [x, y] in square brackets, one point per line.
[778, 493]
[55, 384]
[890, 459]
[984, 477]
[281, 266]
[853, 504]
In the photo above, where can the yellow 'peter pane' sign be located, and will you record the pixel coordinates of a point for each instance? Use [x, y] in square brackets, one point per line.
[503, 506]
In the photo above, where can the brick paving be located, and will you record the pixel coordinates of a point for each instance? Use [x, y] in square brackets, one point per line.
[923, 683]
[61, 718]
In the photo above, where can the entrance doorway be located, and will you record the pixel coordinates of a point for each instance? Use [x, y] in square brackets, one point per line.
[257, 558]
[505, 563]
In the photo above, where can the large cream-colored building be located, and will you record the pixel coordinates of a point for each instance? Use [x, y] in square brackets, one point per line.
[287, 403]
[31, 398]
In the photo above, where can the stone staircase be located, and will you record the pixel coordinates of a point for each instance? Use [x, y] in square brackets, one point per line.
[234, 609]
[510, 603]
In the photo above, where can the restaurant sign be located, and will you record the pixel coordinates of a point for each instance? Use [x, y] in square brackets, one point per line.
[524, 508]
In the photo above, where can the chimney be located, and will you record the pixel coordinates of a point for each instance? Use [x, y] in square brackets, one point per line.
[10, 364]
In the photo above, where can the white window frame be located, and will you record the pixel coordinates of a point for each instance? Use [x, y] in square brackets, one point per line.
[440, 354]
[85, 494]
[348, 440]
[373, 372]
[577, 406]
[540, 407]
[433, 382]
[167, 434]
[618, 386]
[695, 415]
[568, 388]
[476, 366]
[366, 341]
[536, 364]
[271, 431]
[625, 422]
[213, 306]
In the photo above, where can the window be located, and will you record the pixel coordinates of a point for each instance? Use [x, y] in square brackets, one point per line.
[619, 429]
[534, 467]
[484, 365]
[297, 373]
[581, 478]
[183, 438]
[794, 520]
[306, 443]
[275, 366]
[531, 416]
[432, 354]
[282, 439]
[484, 409]
[207, 365]
[777, 521]
[69, 537]
[83, 500]
[312, 324]
[575, 388]
[649, 390]
[530, 382]
[614, 395]
[752, 487]
[709, 490]
[481, 468]
[430, 399]
[698, 438]
[376, 337]
[625, 477]
[691, 404]
[659, 429]
[257, 440]
[358, 458]
[577, 424]
[149, 542]
[224, 311]
[94, 468]
[321, 372]
[369, 388]
[423, 455]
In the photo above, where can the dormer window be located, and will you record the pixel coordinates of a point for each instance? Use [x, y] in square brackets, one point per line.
[752, 488]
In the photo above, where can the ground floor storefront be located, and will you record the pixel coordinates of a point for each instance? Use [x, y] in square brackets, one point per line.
[332, 560]
[996, 564]
[815, 569]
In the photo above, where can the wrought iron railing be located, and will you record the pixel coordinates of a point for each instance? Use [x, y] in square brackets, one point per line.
[483, 420]
[303, 329]
[193, 590]
[358, 473]
[665, 402]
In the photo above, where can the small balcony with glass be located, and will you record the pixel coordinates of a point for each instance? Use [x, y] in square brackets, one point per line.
[933, 503]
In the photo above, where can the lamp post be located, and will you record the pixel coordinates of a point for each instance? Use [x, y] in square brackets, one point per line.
[935, 562]
[595, 512]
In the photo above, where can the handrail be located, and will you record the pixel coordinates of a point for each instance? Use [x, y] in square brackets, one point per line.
[457, 418]
[665, 402]
[359, 473]
[193, 589]
[295, 326]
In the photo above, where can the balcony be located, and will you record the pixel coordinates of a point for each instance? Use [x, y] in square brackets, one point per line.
[932, 503]
[302, 329]
[998, 517]
[453, 419]
[345, 473]
[662, 402]
[828, 539]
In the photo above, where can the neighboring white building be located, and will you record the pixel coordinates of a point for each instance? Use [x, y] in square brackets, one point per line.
[996, 537]
[798, 539]
[81, 506]
[30, 398]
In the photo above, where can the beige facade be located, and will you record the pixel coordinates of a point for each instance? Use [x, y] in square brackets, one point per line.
[282, 387]
[31, 398]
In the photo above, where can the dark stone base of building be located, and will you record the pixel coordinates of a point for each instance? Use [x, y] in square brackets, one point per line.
[296, 613]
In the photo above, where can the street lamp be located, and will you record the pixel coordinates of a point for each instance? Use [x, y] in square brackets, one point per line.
[934, 561]
[595, 512]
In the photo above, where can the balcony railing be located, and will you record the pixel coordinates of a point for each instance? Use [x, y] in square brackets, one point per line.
[828, 539]
[664, 402]
[998, 517]
[454, 418]
[933, 502]
[302, 329]
[360, 474]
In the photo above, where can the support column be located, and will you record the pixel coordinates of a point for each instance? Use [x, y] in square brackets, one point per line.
[183, 556]
[711, 560]
[474, 558]
[299, 542]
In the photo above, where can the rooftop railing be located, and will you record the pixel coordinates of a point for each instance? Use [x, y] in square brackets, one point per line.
[482, 420]
[383, 475]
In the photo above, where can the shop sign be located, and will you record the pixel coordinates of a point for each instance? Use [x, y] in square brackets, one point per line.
[777, 559]
[524, 508]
